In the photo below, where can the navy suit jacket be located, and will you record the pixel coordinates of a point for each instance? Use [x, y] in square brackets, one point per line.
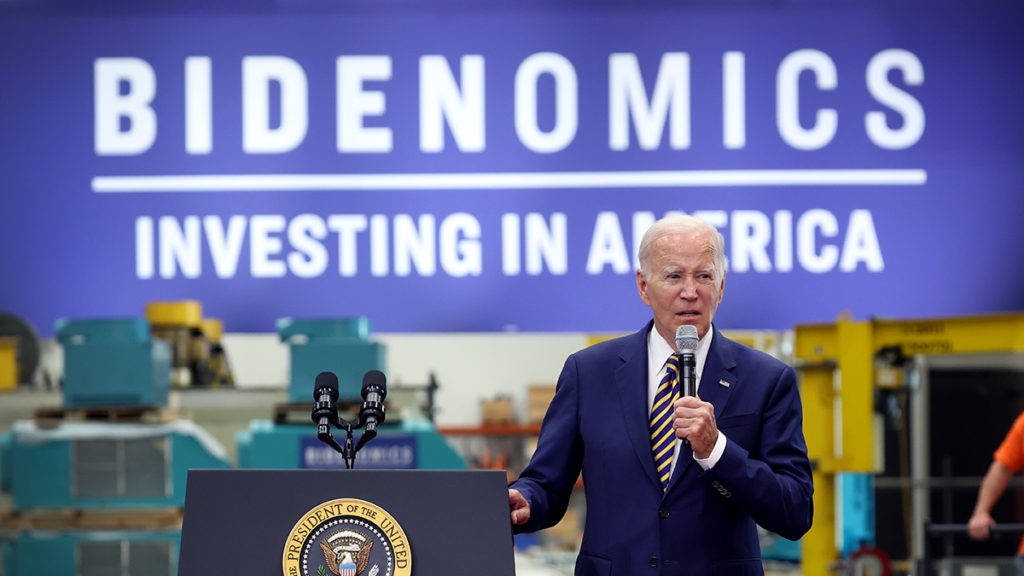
[705, 522]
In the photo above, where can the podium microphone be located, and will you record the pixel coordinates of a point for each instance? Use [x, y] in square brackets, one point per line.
[375, 389]
[371, 413]
[325, 412]
[686, 346]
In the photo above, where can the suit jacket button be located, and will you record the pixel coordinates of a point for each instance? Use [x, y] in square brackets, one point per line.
[654, 561]
[663, 513]
[716, 484]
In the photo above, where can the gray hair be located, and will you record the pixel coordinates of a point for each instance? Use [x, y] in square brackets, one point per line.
[683, 224]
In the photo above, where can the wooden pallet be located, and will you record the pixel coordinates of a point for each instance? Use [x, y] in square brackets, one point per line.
[52, 417]
[94, 519]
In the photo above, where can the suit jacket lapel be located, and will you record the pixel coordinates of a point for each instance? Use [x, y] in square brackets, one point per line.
[717, 367]
[631, 382]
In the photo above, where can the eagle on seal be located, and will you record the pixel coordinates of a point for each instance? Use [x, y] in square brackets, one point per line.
[347, 552]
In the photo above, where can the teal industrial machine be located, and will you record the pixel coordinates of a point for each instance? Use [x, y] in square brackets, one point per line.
[90, 465]
[63, 480]
[85, 493]
[343, 347]
[113, 362]
[409, 445]
[93, 553]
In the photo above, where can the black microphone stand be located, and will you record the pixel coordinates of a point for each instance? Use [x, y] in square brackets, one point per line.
[325, 414]
[349, 451]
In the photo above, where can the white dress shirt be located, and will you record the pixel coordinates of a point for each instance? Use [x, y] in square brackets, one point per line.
[658, 352]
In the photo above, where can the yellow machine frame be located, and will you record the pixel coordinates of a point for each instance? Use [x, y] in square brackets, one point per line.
[836, 365]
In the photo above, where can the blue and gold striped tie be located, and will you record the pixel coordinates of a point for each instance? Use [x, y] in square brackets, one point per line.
[662, 434]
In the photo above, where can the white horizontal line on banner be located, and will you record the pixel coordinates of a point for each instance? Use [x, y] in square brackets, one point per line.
[506, 180]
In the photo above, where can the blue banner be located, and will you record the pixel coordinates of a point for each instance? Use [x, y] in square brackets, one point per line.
[452, 167]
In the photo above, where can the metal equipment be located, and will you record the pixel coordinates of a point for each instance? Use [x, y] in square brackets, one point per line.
[410, 444]
[82, 465]
[101, 497]
[92, 553]
[91, 497]
[341, 346]
[967, 566]
[113, 362]
[842, 367]
[17, 336]
[197, 359]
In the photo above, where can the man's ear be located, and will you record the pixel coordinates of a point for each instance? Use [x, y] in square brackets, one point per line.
[641, 287]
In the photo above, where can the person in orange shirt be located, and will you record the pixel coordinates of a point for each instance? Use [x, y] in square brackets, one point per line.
[1007, 460]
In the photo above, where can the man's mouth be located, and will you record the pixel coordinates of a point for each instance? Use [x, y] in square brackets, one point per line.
[688, 314]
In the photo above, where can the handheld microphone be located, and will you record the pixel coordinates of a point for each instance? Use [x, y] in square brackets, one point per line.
[325, 412]
[375, 389]
[686, 346]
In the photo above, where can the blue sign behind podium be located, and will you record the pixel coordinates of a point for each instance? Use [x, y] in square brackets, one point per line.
[448, 167]
[382, 453]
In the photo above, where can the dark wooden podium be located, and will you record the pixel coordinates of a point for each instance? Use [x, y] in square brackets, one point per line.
[241, 521]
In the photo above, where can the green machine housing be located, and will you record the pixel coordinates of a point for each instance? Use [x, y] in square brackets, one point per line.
[82, 465]
[341, 346]
[410, 444]
[92, 552]
[113, 362]
[92, 465]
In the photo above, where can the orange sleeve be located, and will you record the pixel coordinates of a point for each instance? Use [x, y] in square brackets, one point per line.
[1011, 452]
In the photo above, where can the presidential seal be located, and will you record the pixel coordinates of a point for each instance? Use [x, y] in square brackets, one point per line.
[347, 537]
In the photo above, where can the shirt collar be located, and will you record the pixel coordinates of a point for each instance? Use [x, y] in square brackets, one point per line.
[658, 350]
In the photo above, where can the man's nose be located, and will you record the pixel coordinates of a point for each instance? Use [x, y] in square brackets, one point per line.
[688, 290]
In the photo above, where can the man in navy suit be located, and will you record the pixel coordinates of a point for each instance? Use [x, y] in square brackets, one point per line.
[746, 462]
